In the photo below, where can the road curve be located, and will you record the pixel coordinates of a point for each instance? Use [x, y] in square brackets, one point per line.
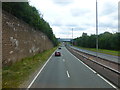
[67, 71]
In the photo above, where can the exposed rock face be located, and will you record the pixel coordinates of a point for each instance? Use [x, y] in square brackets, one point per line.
[20, 40]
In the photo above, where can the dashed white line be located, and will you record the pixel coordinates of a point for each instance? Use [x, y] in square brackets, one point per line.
[94, 71]
[68, 74]
[63, 60]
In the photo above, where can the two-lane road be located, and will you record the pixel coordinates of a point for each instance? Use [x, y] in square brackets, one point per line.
[67, 71]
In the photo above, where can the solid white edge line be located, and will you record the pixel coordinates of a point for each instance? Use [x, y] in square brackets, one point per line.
[39, 71]
[94, 71]
[68, 74]
[97, 62]
[83, 63]
[106, 80]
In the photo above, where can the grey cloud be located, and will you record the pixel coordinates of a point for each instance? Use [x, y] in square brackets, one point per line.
[71, 25]
[63, 2]
[78, 12]
[89, 25]
[56, 24]
[108, 25]
[65, 33]
[108, 8]
[111, 11]
[115, 17]
[77, 28]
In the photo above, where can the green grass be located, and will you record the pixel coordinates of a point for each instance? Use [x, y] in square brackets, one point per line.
[19, 72]
[110, 52]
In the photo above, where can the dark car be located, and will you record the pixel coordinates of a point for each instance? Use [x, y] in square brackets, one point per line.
[59, 48]
[57, 53]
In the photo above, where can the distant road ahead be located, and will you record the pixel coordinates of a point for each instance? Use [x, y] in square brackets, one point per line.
[67, 71]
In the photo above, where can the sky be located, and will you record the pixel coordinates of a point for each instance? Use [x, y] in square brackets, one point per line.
[79, 15]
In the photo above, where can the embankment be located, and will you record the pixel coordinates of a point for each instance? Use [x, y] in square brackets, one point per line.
[20, 40]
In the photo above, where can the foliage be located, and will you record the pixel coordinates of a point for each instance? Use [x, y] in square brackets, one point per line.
[105, 51]
[106, 40]
[16, 74]
[30, 15]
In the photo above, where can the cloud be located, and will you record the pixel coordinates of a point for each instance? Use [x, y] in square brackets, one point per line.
[108, 7]
[65, 33]
[108, 16]
[63, 2]
[77, 28]
[63, 15]
[71, 25]
[108, 25]
[80, 29]
[78, 12]
[57, 24]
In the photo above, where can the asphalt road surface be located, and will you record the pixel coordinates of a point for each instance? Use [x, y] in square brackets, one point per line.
[67, 71]
[104, 56]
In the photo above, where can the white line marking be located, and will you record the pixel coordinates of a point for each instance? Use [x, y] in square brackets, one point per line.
[94, 71]
[63, 60]
[107, 81]
[89, 67]
[97, 62]
[68, 74]
[39, 71]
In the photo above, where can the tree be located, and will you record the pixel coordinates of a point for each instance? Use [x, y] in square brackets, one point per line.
[106, 40]
[30, 15]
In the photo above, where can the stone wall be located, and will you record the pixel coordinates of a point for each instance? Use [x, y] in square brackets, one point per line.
[20, 40]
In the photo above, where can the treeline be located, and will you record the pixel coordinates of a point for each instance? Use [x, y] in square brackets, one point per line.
[30, 15]
[106, 40]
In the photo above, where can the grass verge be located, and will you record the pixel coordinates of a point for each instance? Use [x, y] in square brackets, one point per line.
[110, 52]
[16, 74]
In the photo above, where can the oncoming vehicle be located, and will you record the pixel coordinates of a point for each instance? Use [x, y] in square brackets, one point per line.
[57, 53]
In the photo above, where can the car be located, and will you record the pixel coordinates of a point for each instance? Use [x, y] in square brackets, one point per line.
[57, 53]
[59, 48]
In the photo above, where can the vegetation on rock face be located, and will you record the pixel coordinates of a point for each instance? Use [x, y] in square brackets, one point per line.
[16, 74]
[30, 15]
[106, 41]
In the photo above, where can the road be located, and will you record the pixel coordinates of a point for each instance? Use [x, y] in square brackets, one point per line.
[104, 56]
[67, 71]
